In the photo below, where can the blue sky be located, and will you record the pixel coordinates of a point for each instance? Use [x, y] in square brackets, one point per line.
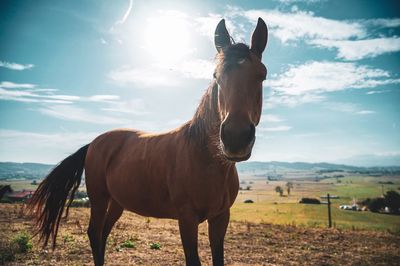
[70, 70]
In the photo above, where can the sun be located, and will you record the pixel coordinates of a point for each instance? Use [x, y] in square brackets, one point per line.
[167, 37]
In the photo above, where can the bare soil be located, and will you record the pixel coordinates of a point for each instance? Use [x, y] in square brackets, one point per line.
[246, 243]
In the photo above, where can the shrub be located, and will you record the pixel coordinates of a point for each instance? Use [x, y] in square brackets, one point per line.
[23, 242]
[68, 238]
[392, 200]
[309, 201]
[376, 204]
[128, 244]
[155, 246]
[279, 190]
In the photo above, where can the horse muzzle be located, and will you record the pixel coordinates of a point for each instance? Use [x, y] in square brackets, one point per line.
[237, 141]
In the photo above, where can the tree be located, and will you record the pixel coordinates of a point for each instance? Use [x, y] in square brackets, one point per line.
[279, 190]
[392, 200]
[377, 204]
[289, 186]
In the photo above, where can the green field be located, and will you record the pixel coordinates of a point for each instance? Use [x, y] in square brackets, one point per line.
[313, 215]
[269, 207]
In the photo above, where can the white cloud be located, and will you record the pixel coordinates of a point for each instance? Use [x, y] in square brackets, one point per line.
[147, 77]
[383, 22]
[163, 75]
[271, 118]
[377, 92]
[347, 107]
[135, 107]
[366, 112]
[344, 107]
[288, 2]
[206, 25]
[352, 38]
[16, 95]
[72, 113]
[318, 77]
[359, 49]
[12, 85]
[304, 25]
[280, 99]
[38, 95]
[29, 93]
[30, 97]
[43, 147]
[103, 98]
[274, 129]
[197, 68]
[15, 66]
[69, 98]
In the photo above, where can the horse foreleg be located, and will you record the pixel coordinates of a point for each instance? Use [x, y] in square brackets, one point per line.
[188, 228]
[216, 233]
[113, 214]
[97, 216]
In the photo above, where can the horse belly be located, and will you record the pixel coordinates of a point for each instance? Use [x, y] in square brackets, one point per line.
[142, 195]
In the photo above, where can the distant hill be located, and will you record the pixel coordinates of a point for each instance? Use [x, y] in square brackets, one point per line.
[10, 170]
[273, 165]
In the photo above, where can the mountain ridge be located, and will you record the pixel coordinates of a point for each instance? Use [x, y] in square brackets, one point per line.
[29, 170]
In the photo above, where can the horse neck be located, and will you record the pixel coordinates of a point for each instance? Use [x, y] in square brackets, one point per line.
[203, 129]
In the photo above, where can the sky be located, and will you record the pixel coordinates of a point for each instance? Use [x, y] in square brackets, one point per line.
[71, 70]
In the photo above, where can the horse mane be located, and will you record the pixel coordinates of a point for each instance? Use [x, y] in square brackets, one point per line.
[206, 117]
[206, 120]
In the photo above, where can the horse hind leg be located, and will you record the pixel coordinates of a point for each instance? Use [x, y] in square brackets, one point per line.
[98, 212]
[113, 214]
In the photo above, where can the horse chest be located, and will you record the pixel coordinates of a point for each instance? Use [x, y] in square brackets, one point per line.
[213, 194]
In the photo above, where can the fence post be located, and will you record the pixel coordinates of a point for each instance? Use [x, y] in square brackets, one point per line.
[329, 211]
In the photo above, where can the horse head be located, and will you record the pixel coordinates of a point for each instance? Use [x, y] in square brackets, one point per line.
[239, 75]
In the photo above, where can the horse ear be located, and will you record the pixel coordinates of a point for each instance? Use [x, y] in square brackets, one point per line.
[221, 36]
[259, 38]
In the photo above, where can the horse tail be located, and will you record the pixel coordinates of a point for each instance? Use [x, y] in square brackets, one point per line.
[48, 202]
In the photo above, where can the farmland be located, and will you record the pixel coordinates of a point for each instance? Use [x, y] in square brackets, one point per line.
[269, 207]
[247, 243]
[273, 230]
[311, 182]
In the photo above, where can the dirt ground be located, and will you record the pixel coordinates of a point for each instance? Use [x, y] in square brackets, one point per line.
[246, 243]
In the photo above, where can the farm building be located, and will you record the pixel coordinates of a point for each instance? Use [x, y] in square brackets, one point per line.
[18, 196]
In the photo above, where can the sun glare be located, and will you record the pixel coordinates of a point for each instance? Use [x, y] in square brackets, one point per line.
[167, 37]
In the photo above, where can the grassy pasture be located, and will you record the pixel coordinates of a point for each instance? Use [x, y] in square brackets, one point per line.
[269, 207]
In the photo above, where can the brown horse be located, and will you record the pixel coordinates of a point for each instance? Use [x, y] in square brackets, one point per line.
[187, 174]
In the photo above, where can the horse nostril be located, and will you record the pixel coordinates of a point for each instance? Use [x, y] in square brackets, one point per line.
[252, 132]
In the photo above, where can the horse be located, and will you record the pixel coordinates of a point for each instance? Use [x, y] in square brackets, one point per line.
[187, 174]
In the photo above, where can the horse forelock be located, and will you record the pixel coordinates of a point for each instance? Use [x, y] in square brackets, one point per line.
[232, 56]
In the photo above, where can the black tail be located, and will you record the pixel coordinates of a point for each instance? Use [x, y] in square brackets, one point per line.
[48, 202]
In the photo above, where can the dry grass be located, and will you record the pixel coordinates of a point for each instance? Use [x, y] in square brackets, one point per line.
[246, 243]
